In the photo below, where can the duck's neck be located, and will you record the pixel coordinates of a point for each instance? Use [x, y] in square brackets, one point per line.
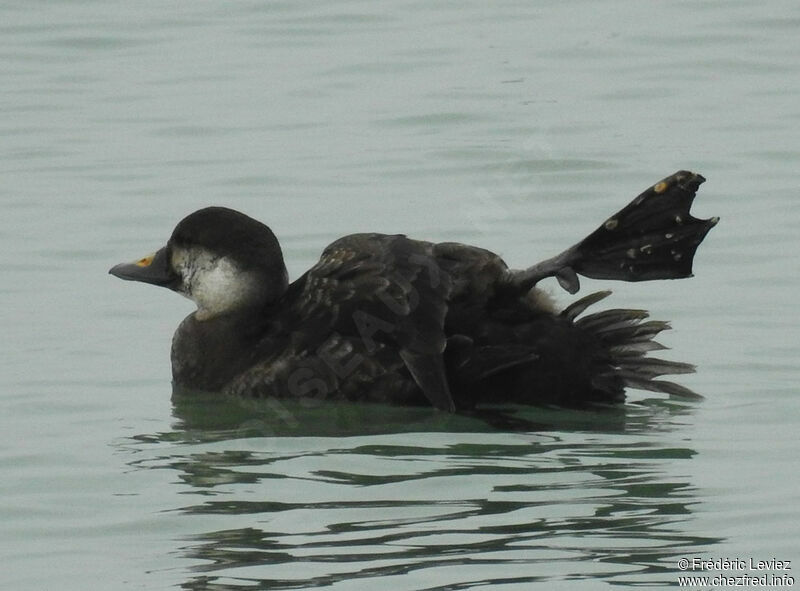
[208, 353]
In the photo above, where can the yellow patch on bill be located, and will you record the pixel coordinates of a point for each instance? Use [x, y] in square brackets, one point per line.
[145, 261]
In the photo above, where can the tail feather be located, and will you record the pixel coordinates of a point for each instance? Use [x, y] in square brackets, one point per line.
[612, 320]
[628, 339]
[636, 332]
[636, 349]
[652, 368]
[663, 387]
[578, 307]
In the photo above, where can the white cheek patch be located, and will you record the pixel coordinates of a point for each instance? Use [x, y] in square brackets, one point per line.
[215, 283]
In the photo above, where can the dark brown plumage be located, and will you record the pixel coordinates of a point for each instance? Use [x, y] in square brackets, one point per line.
[386, 318]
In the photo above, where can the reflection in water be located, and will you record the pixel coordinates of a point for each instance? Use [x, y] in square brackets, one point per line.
[207, 417]
[447, 501]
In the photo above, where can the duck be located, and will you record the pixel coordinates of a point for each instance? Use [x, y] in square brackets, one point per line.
[390, 319]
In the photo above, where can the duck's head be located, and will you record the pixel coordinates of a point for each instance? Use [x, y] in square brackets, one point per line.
[219, 258]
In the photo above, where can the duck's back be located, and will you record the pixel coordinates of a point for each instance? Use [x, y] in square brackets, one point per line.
[383, 318]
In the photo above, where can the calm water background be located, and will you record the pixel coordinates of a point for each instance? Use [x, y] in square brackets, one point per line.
[518, 126]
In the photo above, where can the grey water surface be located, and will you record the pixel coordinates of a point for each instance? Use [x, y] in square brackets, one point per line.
[515, 126]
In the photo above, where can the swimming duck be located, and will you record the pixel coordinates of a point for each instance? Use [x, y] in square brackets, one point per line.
[390, 319]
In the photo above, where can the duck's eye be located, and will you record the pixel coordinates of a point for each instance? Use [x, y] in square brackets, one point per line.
[145, 262]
